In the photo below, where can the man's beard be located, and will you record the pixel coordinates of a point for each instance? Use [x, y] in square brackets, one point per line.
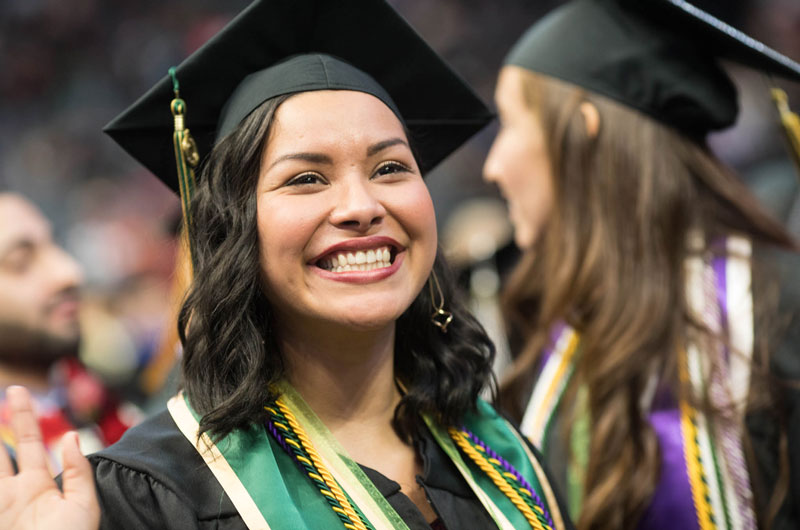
[24, 347]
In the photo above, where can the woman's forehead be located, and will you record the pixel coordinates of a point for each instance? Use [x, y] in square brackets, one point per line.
[338, 116]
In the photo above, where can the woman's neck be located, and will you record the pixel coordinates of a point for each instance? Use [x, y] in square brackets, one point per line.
[346, 378]
[348, 381]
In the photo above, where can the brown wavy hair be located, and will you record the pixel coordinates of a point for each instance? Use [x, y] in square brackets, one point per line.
[609, 262]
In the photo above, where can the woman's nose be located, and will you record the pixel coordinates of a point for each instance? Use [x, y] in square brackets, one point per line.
[492, 165]
[357, 206]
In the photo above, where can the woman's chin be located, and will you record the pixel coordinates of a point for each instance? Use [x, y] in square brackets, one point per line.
[364, 319]
[368, 323]
[369, 313]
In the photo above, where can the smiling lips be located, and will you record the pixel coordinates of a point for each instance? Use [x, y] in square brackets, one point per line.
[359, 260]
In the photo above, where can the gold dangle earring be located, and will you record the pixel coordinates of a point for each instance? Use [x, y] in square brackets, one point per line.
[440, 317]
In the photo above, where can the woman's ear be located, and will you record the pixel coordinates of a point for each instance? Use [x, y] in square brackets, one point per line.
[591, 117]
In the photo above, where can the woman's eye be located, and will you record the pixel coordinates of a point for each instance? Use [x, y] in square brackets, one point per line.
[305, 179]
[388, 168]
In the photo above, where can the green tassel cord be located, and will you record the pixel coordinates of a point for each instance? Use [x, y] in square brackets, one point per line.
[791, 124]
[186, 157]
[580, 439]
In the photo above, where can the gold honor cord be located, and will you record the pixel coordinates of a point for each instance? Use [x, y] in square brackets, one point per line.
[791, 124]
[186, 157]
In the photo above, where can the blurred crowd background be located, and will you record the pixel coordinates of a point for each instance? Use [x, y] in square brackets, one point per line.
[67, 67]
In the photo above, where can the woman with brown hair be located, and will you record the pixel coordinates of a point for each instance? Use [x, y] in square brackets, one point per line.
[655, 296]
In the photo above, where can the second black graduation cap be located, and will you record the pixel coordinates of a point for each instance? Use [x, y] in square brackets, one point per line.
[657, 56]
[439, 109]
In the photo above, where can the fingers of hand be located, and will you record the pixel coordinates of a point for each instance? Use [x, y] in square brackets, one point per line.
[30, 449]
[78, 477]
[6, 469]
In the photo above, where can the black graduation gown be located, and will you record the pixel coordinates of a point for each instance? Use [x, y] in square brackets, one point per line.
[154, 478]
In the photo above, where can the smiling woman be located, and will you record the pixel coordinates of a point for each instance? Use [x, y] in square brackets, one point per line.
[356, 190]
[330, 374]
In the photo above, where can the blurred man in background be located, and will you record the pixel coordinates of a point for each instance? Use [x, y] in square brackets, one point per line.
[40, 334]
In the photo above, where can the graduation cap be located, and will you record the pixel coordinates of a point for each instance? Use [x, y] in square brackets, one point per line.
[277, 47]
[657, 56]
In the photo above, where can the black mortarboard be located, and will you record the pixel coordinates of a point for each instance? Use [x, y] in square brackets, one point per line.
[657, 56]
[277, 47]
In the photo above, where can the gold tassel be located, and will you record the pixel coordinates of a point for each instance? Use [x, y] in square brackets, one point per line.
[186, 159]
[791, 124]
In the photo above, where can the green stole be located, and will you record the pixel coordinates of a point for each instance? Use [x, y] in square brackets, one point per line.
[269, 491]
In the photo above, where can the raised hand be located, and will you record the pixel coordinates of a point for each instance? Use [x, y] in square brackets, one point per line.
[30, 499]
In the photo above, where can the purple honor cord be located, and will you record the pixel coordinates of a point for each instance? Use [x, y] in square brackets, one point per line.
[508, 467]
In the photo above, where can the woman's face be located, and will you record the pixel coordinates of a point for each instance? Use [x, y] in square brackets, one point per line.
[518, 161]
[345, 222]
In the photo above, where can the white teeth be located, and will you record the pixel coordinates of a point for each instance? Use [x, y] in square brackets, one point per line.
[358, 261]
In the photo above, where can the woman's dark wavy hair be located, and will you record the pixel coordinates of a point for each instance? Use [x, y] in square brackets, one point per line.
[231, 356]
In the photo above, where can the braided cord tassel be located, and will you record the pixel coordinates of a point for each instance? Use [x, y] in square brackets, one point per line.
[694, 463]
[791, 124]
[186, 156]
[300, 448]
[514, 478]
[726, 425]
[294, 450]
[503, 483]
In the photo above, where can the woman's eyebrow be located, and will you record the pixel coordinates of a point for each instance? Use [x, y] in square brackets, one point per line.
[374, 149]
[320, 158]
[315, 158]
